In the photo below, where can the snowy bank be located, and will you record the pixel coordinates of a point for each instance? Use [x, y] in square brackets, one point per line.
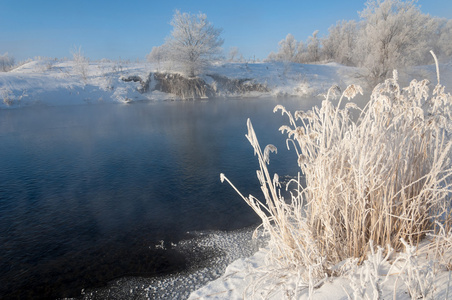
[376, 278]
[53, 82]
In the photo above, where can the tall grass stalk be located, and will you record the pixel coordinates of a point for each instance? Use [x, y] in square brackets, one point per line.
[384, 177]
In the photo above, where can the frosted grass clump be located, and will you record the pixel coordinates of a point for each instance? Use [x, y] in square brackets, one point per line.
[384, 177]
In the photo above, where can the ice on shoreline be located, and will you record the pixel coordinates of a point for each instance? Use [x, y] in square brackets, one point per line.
[209, 254]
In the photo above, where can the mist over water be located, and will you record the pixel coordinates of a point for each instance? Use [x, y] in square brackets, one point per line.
[87, 191]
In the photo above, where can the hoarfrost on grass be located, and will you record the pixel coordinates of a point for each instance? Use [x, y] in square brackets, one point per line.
[383, 179]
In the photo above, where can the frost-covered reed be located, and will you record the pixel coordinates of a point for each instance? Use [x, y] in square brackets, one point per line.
[383, 177]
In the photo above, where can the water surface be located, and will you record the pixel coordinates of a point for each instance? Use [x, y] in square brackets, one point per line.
[87, 191]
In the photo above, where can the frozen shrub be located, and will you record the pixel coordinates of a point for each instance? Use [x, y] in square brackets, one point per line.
[384, 177]
[418, 277]
[81, 62]
[367, 280]
[10, 98]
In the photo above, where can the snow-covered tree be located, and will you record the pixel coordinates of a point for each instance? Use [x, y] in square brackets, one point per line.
[234, 54]
[158, 55]
[394, 34]
[194, 42]
[310, 53]
[441, 40]
[287, 49]
[272, 56]
[313, 47]
[301, 52]
[6, 62]
[338, 46]
[391, 34]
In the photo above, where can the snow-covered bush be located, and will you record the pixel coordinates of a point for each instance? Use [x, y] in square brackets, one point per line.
[193, 43]
[384, 177]
[81, 62]
[6, 62]
[440, 247]
[10, 98]
[367, 279]
[418, 277]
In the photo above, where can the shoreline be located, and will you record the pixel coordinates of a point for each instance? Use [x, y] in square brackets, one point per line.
[49, 82]
[218, 248]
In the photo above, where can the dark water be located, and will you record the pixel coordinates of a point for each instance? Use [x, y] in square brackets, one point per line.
[87, 191]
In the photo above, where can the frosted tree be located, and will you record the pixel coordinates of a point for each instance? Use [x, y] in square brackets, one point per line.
[234, 54]
[193, 43]
[313, 48]
[441, 41]
[6, 62]
[338, 46]
[157, 55]
[287, 49]
[311, 52]
[393, 35]
[301, 52]
[272, 56]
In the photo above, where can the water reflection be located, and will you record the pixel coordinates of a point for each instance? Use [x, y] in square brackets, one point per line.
[85, 191]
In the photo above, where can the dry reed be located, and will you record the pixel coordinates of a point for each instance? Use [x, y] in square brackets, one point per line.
[384, 177]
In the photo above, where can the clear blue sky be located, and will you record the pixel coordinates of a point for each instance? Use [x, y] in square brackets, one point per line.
[129, 29]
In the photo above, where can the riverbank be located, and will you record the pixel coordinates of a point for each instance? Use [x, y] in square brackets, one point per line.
[252, 278]
[209, 253]
[54, 82]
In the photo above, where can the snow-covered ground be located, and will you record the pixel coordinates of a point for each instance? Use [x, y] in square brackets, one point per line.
[48, 82]
[376, 278]
[51, 82]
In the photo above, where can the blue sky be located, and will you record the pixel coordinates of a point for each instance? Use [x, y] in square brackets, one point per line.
[129, 29]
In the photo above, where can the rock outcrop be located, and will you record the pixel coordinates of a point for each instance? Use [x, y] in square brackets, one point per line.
[234, 86]
[144, 83]
[196, 87]
[185, 88]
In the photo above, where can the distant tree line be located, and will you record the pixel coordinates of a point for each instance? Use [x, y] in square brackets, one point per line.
[390, 34]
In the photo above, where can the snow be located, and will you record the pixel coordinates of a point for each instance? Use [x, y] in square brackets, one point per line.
[53, 82]
[239, 282]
